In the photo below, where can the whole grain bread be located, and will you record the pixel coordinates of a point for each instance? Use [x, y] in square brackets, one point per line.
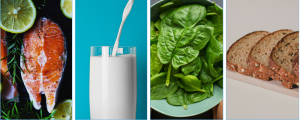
[296, 66]
[282, 57]
[258, 58]
[239, 51]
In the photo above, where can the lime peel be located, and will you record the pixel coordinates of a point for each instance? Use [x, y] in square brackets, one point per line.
[63, 110]
[66, 8]
[15, 21]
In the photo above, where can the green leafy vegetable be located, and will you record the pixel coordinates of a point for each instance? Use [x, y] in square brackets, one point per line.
[182, 97]
[159, 89]
[186, 53]
[220, 38]
[220, 82]
[155, 64]
[190, 83]
[179, 39]
[205, 22]
[171, 4]
[158, 79]
[157, 25]
[204, 77]
[215, 80]
[164, 13]
[163, 91]
[153, 32]
[217, 20]
[193, 67]
[214, 54]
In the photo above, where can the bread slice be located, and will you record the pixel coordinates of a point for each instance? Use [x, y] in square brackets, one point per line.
[296, 66]
[239, 51]
[282, 57]
[258, 58]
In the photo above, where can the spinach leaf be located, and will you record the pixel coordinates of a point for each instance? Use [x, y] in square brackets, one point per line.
[186, 39]
[218, 68]
[215, 80]
[163, 91]
[170, 73]
[153, 42]
[180, 84]
[193, 67]
[179, 39]
[164, 13]
[181, 97]
[214, 54]
[190, 83]
[220, 38]
[220, 83]
[152, 32]
[171, 4]
[205, 22]
[158, 88]
[204, 75]
[158, 79]
[157, 24]
[155, 64]
[217, 20]
[205, 78]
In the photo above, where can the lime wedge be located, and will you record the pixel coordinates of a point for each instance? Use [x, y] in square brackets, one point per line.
[63, 110]
[17, 16]
[66, 8]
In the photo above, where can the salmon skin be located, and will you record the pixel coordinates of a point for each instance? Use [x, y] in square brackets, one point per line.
[45, 53]
[9, 90]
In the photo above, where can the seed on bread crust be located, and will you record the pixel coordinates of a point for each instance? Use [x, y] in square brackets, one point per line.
[253, 74]
[282, 58]
[239, 51]
[241, 59]
[243, 70]
[233, 66]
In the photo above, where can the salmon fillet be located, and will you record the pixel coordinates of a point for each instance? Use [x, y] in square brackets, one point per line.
[45, 53]
[9, 90]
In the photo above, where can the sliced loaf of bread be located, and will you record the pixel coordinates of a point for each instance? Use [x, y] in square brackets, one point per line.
[282, 57]
[258, 58]
[239, 51]
[296, 66]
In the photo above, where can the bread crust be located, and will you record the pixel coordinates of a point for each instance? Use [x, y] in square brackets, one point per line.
[286, 84]
[296, 67]
[253, 64]
[244, 70]
[284, 75]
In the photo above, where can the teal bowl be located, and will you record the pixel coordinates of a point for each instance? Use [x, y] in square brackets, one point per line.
[197, 108]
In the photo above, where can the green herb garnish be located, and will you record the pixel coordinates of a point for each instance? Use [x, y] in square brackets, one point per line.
[14, 110]
[14, 51]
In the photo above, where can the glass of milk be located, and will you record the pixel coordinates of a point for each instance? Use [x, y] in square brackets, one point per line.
[113, 83]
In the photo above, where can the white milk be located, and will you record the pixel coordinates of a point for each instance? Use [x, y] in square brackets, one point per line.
[113, 87]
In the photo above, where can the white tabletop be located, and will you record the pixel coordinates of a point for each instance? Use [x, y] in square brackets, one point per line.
[246, 101]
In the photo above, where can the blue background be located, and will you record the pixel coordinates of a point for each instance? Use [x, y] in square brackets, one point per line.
[97, 24]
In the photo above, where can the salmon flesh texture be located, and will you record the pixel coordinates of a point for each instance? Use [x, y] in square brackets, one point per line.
[45, 53]
[8, 88]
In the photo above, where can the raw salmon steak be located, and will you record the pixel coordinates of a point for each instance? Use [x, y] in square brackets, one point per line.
[45, 53]
[9, 89]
